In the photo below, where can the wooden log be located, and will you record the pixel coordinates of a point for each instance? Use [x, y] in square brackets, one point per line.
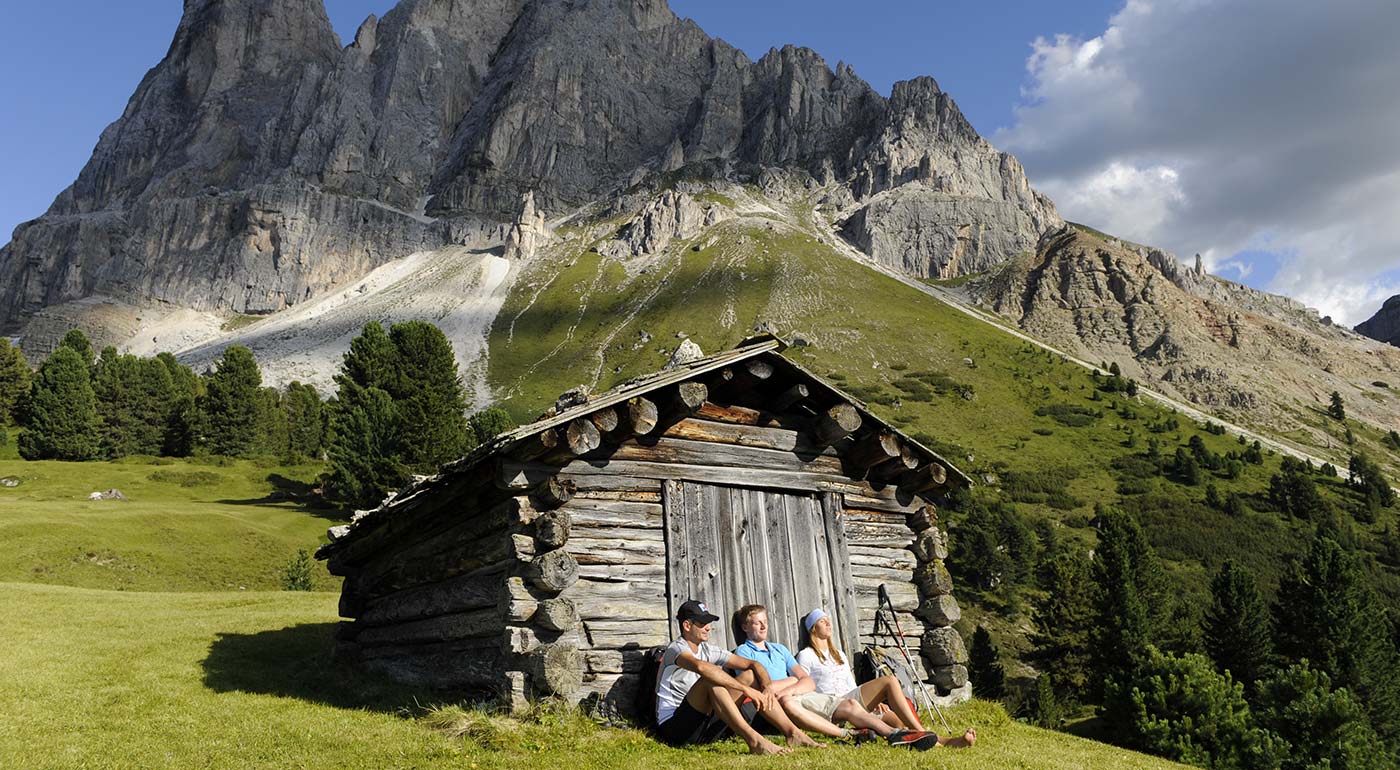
[926, 516]
[444, 628]
[878, 517]
[556, 614]
[895, 467]
[836, 423]
[459, 594]
[606, 420]
[880, 535]
[622, 496]
[687, 452]
[889, 504]
[689, 397]
[871, 573]
[642, 416]
[641, 593]
[523, 639]
[904, 596]
[735, 415]
[930, 544]
[877, 446]
[552, 493]
[594, 608]
[552, 529]
[758, 369]
[791, 397]
[887, 558]
[596, 513]
[582, 436]
[613, 661]
[524, 547]
[596, 485]
[556, 669]
[929, 477]
[619, 634]
[521, 600]
[450, 669]
[396, 572]
[622, 573]
[553, 571]
[806, 481]
[614, 552]
[783, 439]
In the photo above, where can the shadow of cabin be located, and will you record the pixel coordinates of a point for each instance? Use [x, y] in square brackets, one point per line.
[549, 560]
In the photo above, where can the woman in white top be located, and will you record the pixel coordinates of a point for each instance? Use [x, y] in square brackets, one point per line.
[838, 697]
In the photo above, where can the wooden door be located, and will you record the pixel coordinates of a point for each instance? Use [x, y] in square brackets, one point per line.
[731, 546]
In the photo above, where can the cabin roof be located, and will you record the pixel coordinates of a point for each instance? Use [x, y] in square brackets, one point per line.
[768, 346]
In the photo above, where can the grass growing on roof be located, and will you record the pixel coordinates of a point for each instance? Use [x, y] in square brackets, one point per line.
[231, 680]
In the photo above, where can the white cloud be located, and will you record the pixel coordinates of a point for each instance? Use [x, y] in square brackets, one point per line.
[1210, 126]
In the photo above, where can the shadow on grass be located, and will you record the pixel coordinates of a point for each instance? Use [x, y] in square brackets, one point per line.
[293, 493]
[296, 662]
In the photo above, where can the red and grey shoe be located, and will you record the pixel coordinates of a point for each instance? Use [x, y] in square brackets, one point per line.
[913, 739]
[861, 736]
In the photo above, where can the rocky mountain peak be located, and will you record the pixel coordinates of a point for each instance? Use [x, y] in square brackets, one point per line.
[259, 164]
[1385, 324]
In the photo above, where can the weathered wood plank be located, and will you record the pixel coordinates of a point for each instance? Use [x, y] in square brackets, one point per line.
[619, 634]
[677, 545]
[879, 535]
[779, 439]
[807, 481]
[623, 572]
[458, 594]
[904, 596]
[444, 628]
[781, 605]
[843, 589]
[687, 452]
[615, 513]
[870, 573]
[894, 503]
[594, 486]
[598, 661]
[836, 423]
[889, 558]
[616, 552]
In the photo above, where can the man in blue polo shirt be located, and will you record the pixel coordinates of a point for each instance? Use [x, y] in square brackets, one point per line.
[788, 679]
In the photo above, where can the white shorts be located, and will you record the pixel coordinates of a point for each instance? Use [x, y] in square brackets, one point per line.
[823, 704]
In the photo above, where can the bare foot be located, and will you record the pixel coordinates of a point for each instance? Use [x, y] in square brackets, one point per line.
[800, 739]
[766, 747]
[965, 740]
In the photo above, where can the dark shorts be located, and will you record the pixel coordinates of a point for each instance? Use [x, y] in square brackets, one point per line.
[689, 726]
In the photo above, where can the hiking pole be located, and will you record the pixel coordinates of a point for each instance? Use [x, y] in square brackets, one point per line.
[888, 606]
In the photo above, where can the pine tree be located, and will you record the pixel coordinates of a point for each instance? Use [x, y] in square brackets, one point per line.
[364, 455]
[1368, 479]
[60, 413]
[1133, 604]
[228, 412]
[428, 397]
[1321, 726]
[14, 380]
[1064, 622]
[1328, 614]
[134, 397]
[489, 423]
[1337, 410]
[988, 676]
[78, 342]
[305, 421]
[274, 436]
[1238, 630]
[182, 418]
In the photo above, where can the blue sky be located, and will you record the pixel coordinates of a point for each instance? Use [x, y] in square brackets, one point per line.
[1171, 123]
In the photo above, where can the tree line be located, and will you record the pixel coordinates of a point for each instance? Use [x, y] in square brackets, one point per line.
[399, 409]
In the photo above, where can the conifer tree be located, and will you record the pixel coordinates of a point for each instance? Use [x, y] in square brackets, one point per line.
[134, 399]
[60, 413]
[78, 342]
[988, 676]
[180, 426]
[1328, 614]
[1238, 630]
[1368, 479]
[305, 421]
[274, 437]
[489, 423]
[428, 397]
[1133, 605]
[228, 411]
[1064, 623]
[14, 380]
[364, 455]
[1337, 410]
[1321, 726]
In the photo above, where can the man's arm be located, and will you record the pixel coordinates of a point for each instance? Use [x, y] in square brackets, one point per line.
[804, 683]
[716, 675]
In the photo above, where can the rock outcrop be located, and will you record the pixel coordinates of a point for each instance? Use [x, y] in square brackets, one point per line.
[1385, 324]
[1248, 354]
[671, 216]
[260, 164]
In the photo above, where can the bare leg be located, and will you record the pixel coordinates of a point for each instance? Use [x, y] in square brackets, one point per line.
[850, 711]
[960, 742]
[777, 717]
[892, 719]
[707, 698]
[808, 720]
[886, 690]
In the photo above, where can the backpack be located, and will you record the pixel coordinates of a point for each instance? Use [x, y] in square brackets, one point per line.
[875, 662]
[646, 687]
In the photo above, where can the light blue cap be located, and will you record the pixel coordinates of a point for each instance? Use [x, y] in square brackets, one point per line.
[813, 617]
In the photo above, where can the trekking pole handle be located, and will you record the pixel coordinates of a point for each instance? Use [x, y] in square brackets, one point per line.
[884, 594]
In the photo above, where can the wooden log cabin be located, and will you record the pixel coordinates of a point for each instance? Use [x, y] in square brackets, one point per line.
[547, 562]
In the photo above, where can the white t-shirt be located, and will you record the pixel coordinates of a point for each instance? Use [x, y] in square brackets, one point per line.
[674, 681]
[830, 677]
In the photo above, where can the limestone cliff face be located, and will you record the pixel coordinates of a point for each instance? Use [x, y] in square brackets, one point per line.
[1242, 352]
[259, 163]
[1385, 324]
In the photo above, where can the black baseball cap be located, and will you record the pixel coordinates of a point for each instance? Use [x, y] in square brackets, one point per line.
[696, 612]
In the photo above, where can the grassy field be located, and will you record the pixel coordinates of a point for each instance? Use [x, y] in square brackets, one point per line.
[101, 679]
[185, 526]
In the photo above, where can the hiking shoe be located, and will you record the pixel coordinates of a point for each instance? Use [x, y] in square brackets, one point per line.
[914, 739]
[861, 736]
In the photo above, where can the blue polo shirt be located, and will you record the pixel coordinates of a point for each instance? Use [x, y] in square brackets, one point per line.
[777, 660]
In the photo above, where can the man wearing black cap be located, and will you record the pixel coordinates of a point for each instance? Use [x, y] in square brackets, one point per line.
[696, 701]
